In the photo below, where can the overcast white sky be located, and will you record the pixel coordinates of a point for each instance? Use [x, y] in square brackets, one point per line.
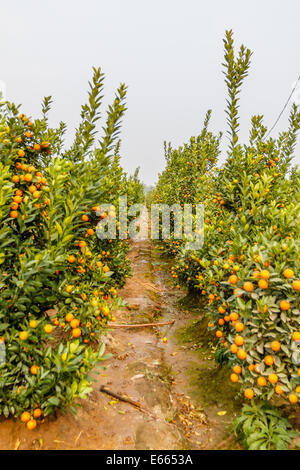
[168, 52]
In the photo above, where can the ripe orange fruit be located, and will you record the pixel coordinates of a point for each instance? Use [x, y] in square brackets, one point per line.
[84, 218]
[69, 289]
[28, 177]
[36, 194]
[269, 361]
[74, 323]
[234, 348]
[248, 393]
[233, 279]
[261, 381]
[21, 153]
[248, 286]
[239, 340]
[263, 284]
[296, 336]
[239, 326]
[221, 310]
[285, 305]
[76, 332]
[234, 316]
[25, 417]
[33, 323]
[90, 231]
[273, 379]
[234, 378]
[275, 345]
[23, 335]
[264, 274]
[71, 259]
[48, 328]
[288, 273]
[241, 354]
[237, 369]
[15, 179]
[14, 214]
[34, 369]
[219, 333]
[296, 285]
[105, 269]
[69, 317]
[37, 147]
[37, 413]
[278, 390]
[31, 424]
[293, 398]
[221, 322]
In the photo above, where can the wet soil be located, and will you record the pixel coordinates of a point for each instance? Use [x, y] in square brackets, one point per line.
[187, 401]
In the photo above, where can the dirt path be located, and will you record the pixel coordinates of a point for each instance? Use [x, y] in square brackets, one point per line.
[176, 383]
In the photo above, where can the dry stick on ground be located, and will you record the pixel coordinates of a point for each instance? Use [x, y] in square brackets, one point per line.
[141, 325]
[126, 400]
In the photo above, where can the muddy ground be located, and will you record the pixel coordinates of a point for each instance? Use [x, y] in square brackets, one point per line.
[187, 401]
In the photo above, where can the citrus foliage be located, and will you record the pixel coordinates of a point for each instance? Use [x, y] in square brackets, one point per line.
[248, 268]
[59, 281]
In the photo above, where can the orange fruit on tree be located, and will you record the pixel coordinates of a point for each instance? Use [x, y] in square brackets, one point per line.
[69, 317]
[85, 218]
[14, 214]
[74, 323]
[269, 361]
[237, 369]
[71, 259]
[278, 390]
[69, 289]
[23, 335]
[234, 378]
[285, 305]
[31, 424]
[76, 332]
[239, 340]
[248, 286]
[37, 413]
[221, 322]
[21, 153]
[90, 231]
[275, 345]
[34, 369]
[293, 398]
[105, 268]
[261, 381]
[28, 177]
[241, 354]
[288, 273]
[25, 417]
[15, 179]
[234, 348]
[219, 334]
[36, 194]
[221, 310]
[37, 147]
[239, 326]
[264, 274]
[233, 279]
[48, 328]
[33, 323]
[273, 378]
[248, 393]
[296, 336]
[263, 284]
[296, 285]
[234, 316]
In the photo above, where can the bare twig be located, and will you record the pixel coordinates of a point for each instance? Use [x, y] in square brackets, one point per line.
[141, 325]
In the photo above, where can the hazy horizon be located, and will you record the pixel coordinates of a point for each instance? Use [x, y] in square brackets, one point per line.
[169, 53]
